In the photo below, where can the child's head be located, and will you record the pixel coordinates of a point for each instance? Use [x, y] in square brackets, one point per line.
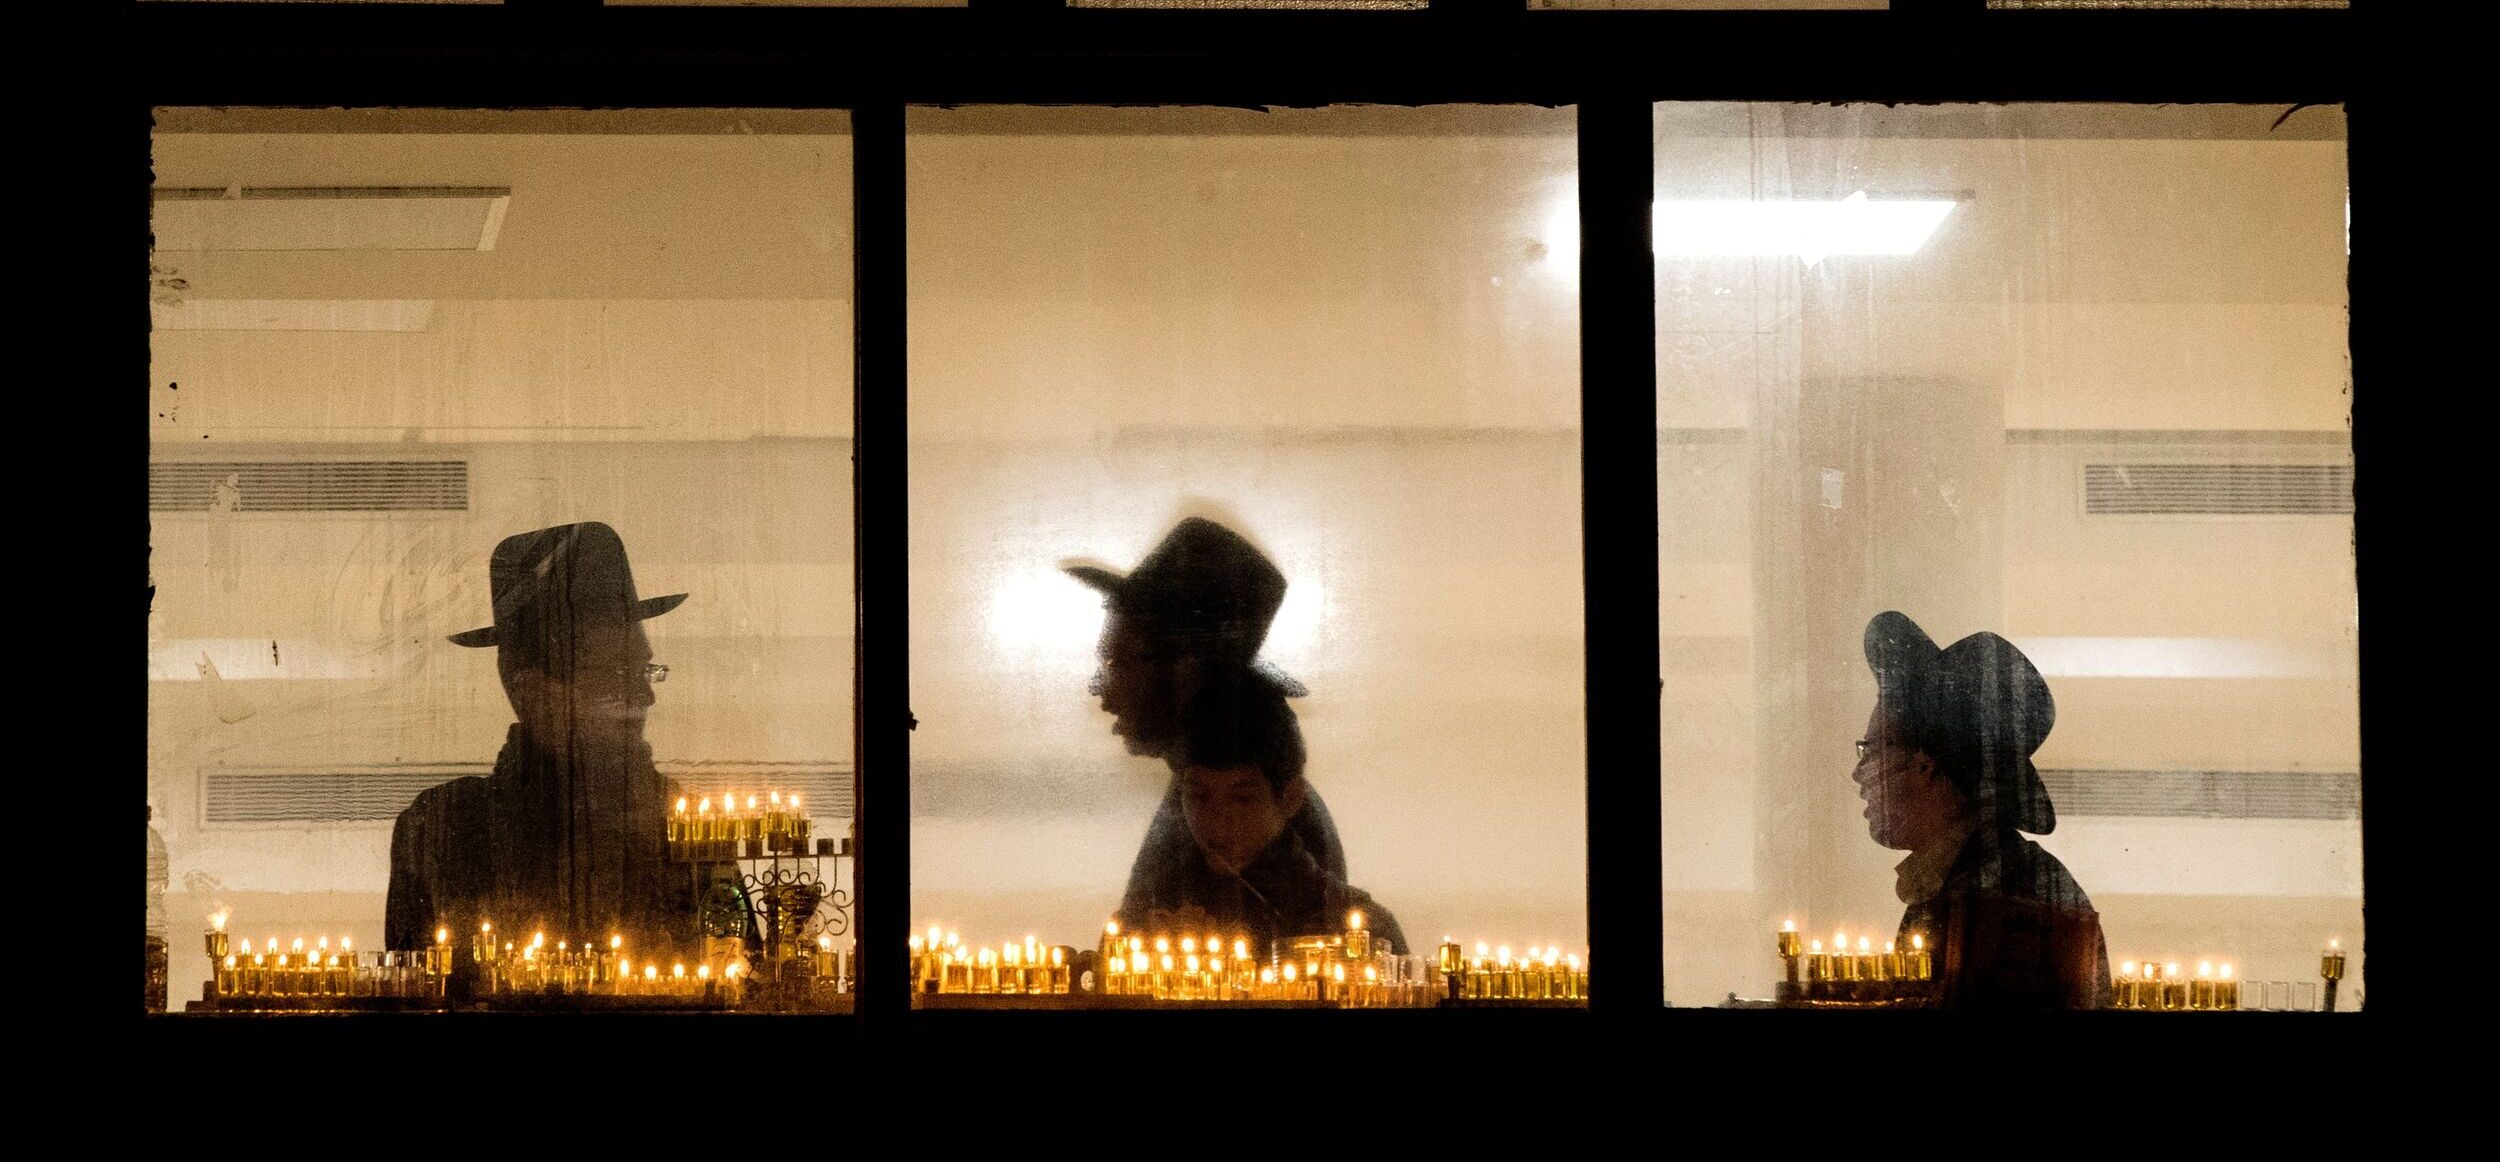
[1240, 767]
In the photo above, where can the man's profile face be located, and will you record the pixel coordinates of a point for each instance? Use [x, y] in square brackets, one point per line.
[1906, 798]
[602, 693]
[1142, 687]
[1233, 814]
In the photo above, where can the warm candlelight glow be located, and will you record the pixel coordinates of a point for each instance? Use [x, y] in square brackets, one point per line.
[1866, 946]
[615, 942]
[298, 946]
[750, 802]
[1188, 945]
[1241, 950]
[442, 936]
[826, 942]
[2226, 970]
[677, 970]
[1056, 960]
[1354, 921]
[651, 972]
[1289, 974]
[1111, 928]
[247, 946]
[1918, 943]
[1162, 945]
[1788, 925]
[2204, 968]
[2127, 969]
[704, 808]
[703, 972]
[1815, 946]
[794, 803]
[217, 920]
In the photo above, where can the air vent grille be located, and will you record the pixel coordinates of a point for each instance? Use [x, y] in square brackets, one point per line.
[2217, 489]
[308, 486]
[2207, 794]
[378, 795]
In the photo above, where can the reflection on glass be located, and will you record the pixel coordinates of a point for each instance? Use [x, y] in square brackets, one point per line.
[1259, 429]
[490, 457]
[2086, 424]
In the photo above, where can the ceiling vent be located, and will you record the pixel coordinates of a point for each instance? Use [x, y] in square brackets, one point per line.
[377, 794]
[337, 218]
[2217, 489]
[2206, 794]
[308, 486]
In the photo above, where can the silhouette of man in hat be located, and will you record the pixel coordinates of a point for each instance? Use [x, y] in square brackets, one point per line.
[1184, 628]
[568, 835]
[1945, 771]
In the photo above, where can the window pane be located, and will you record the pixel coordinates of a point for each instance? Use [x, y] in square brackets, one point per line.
[2073, 375]
[1344, 338]
[421, 373]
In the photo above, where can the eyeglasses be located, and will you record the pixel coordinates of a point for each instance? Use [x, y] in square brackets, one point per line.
[652, 672]
[1866, 747]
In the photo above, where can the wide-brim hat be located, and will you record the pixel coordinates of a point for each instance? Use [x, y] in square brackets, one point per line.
[1978, 707]
[557, 581]
[1203, 588]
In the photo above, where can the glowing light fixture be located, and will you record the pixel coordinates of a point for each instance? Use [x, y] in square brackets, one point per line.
[1736, 227]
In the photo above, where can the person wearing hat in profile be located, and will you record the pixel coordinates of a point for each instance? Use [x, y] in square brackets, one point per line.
[1184, 628]
[1945, 771]
[568, 835]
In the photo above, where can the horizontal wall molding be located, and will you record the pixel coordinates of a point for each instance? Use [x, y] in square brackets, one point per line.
[2206, 794]
[232, 796]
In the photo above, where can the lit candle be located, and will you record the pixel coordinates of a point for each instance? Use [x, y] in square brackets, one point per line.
[1791, 945]
[677, 831]
[2174, 992]
[1892, 965]
[1358, 943]
[2227, 991]
[824, 957]
[1110, 941]
[2331, 969]
[1922, 964]
[1579, 978]
[216, 937]
[2125, 992]
[1819, 976]
[1870, 969]
[227, 977]
[1058, 979]
[2201, 990]
[1505, 978]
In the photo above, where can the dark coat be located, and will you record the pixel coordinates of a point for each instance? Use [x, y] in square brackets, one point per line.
[2011, 929]
[1295, 887]
[575, 849]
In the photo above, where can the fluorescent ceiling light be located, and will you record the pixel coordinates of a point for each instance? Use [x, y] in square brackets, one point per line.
[401, 315]
[1810, 230]
[386, 218]
[1740, 228]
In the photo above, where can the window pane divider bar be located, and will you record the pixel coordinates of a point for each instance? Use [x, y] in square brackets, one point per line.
[881, 567]
[1619, 555]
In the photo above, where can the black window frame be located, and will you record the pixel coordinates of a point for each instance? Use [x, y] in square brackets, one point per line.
[1611, 65]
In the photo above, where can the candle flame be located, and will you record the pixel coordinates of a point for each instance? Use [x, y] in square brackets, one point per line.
[681, 804]
[794, 804]
[1789, 925]
[750, 802]
[2204, 968]
[2170, 970]
[1865, 946]
[1814, 946]
[615, 942]
[1289, 973]
[1167, 963]
[1241, 950]
[825, 942]
[299, 944]
[1055, 955]
[1887, 948]
[1340, 974]
[1354, 921]
[1111, 928]
[1483, 949]
[1573, 961]
[677, 970]
[229, 960]
[217, 920]
[1162, 945]
[485, 926]
[2226, 970]
[442, 936]
[2127, 969]
[1370, 974]
[734, 966]
[954, 940]
[776, 798]
[1268, 975]
[652, 971]
[705, 807]
[1188, 945]
[1918, 943]
[703, 972]
[2333, 945]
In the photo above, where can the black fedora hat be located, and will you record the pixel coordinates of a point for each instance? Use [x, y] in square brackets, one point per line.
[1978, 707]
[560, 579]
[1204, 587]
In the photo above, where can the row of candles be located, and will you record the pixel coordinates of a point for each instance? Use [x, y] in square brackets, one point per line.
[2148, 987]
[762, 825]
[506, 968]
[1541, 974]
[1862, 974]
[943, 963]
